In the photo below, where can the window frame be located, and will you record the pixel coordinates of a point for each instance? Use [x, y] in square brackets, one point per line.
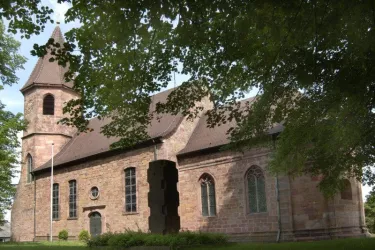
[49, 108]
[133, 191]
[92, 197]
[74, 200]
[206, 179]
[249, 173]
[55, 205]
[29, 168]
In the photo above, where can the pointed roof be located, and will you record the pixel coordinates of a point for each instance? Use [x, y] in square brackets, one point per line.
[48, 73]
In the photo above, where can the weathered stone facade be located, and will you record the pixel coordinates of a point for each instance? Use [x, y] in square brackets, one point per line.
[304, 212]
[41, 132]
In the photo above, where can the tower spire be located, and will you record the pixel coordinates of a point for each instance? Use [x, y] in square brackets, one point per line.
[48, 73]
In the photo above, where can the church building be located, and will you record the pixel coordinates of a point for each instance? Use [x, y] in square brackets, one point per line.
[103, 190]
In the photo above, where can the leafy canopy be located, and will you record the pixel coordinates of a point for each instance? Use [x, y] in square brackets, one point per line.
[370, 211]
[10, 124]
[312, 61]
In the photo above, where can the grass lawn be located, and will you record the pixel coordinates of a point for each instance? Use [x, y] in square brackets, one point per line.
[345, 244]
[58, 245]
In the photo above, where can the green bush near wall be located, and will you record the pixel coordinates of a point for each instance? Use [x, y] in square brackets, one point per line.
[130, 239]
[84, 236]
[63, 235]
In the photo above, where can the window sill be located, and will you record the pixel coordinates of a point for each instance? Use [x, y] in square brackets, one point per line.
[72, 218]
[130, 213]
[209, 217]
[58, 219]
[257, 214]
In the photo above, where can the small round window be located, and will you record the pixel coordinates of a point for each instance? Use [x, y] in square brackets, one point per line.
[94, 192]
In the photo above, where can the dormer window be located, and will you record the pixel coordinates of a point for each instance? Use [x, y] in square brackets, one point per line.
[49, 105]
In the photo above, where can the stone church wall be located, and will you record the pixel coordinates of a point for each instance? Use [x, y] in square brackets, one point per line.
[39, 147]
[33, 110]
[305, 213]
[106, 174]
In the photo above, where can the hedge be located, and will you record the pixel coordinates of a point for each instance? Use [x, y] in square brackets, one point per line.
[130, 239]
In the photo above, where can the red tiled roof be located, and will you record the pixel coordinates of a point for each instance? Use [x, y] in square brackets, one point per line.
[46, 72]
[93, 143]
[204, 137]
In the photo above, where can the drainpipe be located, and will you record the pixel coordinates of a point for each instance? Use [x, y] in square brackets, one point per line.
[34, 178]
[277, 196]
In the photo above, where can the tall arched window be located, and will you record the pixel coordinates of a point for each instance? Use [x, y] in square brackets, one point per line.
[55, 201]
[256, 190]
[29, 165]
[130, 191]
[346, 192]
[208, 195]
[73, 199]
[49, 105]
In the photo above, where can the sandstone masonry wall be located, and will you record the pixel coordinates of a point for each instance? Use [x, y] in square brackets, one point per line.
[42, 130]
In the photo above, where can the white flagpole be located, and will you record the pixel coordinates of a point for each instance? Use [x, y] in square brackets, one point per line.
[51, 191]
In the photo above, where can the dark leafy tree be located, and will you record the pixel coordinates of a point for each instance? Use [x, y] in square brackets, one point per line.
[10, 124]
[370, 211]
[312, 61]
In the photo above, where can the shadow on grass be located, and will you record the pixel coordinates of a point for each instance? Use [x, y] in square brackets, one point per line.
[342, 244]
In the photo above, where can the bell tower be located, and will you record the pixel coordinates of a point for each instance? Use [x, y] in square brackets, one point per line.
[45, 93]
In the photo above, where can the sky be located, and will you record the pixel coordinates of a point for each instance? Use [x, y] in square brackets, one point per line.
[12, 97]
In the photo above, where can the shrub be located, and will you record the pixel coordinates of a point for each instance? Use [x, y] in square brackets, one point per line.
[130, 239]
[84, 236]
[63, 235]
[100, 240]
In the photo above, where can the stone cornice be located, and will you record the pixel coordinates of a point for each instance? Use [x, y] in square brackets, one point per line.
[46, 85]
[31, 134]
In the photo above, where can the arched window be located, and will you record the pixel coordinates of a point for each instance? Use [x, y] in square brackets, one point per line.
[55, 201]
[49, 105]
[130, 191]
[208, 195]
[73, 199]
[29, 162]
[256, 190]
[346, 192]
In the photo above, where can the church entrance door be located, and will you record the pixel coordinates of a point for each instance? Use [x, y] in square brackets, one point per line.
[95, 224]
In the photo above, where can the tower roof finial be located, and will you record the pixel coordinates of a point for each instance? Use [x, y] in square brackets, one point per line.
[58, 19]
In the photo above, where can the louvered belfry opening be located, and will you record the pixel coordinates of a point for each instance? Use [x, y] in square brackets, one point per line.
[49, 105]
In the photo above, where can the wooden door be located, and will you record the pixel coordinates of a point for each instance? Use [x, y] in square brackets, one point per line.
[95, 224]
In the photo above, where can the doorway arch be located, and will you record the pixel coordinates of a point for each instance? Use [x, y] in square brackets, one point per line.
[95, 223]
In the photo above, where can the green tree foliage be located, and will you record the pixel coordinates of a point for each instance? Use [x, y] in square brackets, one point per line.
[10, 124]
[370, 211]
[27, 16]
[312, 61]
